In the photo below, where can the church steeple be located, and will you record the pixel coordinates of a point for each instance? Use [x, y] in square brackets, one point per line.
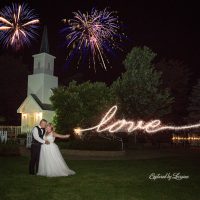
[44, 48]
[37, 105]
[44, 62]
[42, 79]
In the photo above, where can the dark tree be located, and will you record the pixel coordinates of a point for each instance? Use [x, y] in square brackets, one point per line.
[175, 76]
[13, 86]
[139, 92]
[194, 106]
[80, 105]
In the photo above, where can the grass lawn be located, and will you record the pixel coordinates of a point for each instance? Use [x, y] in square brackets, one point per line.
[100, 180]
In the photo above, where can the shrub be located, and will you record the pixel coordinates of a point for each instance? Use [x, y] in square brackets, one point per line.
[80, 105]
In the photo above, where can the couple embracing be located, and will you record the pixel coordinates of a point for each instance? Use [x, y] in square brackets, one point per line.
[46, 159]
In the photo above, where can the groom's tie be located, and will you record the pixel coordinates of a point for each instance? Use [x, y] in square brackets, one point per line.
[42, 129]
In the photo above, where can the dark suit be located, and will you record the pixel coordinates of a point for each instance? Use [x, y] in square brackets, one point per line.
[35, 151]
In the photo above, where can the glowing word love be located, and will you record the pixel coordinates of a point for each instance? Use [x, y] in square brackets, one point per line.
[107, 124]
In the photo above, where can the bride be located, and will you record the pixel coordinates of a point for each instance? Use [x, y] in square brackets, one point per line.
[51, 162]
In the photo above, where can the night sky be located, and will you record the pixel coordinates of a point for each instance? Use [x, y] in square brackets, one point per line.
[169, 28]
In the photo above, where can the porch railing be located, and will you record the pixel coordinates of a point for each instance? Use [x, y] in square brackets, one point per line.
[12, 131]
[3, 136]
[28, 140]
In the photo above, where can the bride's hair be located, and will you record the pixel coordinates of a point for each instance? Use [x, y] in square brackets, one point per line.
[51, 125]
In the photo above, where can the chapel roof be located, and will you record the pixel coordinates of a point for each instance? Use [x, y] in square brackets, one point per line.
[42, 105]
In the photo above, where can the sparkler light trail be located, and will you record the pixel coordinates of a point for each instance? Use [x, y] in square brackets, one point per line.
[92, 35]
[107, 124]
[18, 25]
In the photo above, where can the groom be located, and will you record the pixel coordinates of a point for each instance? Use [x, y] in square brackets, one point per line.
[37, 140]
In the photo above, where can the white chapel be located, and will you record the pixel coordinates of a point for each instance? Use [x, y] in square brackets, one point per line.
[37, 104]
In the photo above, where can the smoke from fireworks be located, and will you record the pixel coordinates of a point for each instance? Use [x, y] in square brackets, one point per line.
[18, 25]
[92, 35]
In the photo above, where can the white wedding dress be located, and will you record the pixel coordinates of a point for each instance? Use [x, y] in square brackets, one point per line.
[51, 162]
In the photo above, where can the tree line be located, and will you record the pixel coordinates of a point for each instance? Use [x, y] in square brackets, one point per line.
[146, 90]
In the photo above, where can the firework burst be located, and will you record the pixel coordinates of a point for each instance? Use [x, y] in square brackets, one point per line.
[18, 25]
[92, 35]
